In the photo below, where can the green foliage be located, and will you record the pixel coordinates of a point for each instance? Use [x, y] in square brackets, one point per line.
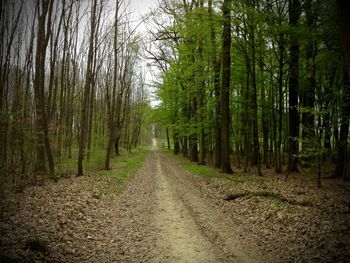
[96, 162]
[261, 58]
[125, 166]
[204, 171]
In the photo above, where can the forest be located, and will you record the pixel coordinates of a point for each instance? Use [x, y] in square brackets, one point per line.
[71, 84]
[185, 131]
[259, 83]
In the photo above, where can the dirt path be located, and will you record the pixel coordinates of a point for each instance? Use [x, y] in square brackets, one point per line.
[166, 214]
[161, 216]
[190, 228]
[180, 236]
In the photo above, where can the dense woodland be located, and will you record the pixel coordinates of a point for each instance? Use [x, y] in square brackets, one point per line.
[248, 83]
[251, 96]
[71, 85]
[258, 83]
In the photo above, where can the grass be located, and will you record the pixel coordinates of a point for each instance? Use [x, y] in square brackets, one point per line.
[97, 159]
[204, 171]
[125, 166]
[123, 169]
[210, 173]
[95, 162]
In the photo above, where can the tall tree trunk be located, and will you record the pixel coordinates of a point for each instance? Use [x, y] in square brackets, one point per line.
[176, 142]
[281, 52]
[216, 79]
[87, 87]
[39, 86]
[308, 92]
[265, 129]
[342, 149]
[246, 126]
[257, 156]
[184, 147]
[343, 21]
[193, 151]
[201, 90]
[225, 164]
[294, 13]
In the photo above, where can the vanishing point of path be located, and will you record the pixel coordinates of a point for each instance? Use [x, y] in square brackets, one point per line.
[174, 220]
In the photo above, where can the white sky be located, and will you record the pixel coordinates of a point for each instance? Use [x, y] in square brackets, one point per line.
[139, 9]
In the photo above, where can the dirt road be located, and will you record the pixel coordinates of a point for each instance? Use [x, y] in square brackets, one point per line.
[166, 214]
[189, 227]
[160, 216]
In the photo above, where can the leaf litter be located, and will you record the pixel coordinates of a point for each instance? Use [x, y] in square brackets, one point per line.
[88, 219]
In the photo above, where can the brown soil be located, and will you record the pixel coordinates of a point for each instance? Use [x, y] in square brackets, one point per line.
[166, 214]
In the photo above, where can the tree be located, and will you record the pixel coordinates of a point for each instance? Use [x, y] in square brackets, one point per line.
[294, 13]
[87, 88]
[343, 21]
[43, 36]
[225, 164]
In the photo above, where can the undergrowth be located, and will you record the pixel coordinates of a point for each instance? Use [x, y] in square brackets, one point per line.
[256, 190]
[123, 168]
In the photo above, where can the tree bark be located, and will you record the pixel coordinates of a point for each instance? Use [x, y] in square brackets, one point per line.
[39, 87]
[294, 13]
[308, 92]
[87, 87]
[225, 164]
[176, 142]
[342, 149]
[343, 21]
[216, 79]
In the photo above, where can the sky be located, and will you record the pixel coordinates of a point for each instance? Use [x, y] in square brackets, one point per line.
[142, 7]
[139, 9]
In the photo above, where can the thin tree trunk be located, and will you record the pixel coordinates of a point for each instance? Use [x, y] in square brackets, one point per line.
[167, 137]
[279, 153]
[201, 89]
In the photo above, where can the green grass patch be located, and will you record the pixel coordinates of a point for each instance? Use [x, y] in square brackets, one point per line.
[204, 171]
[123, 169]
[208, 172]
[93, 163]
[125, 166]
[126, 161]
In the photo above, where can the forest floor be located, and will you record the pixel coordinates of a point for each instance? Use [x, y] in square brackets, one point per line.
[176, 211]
